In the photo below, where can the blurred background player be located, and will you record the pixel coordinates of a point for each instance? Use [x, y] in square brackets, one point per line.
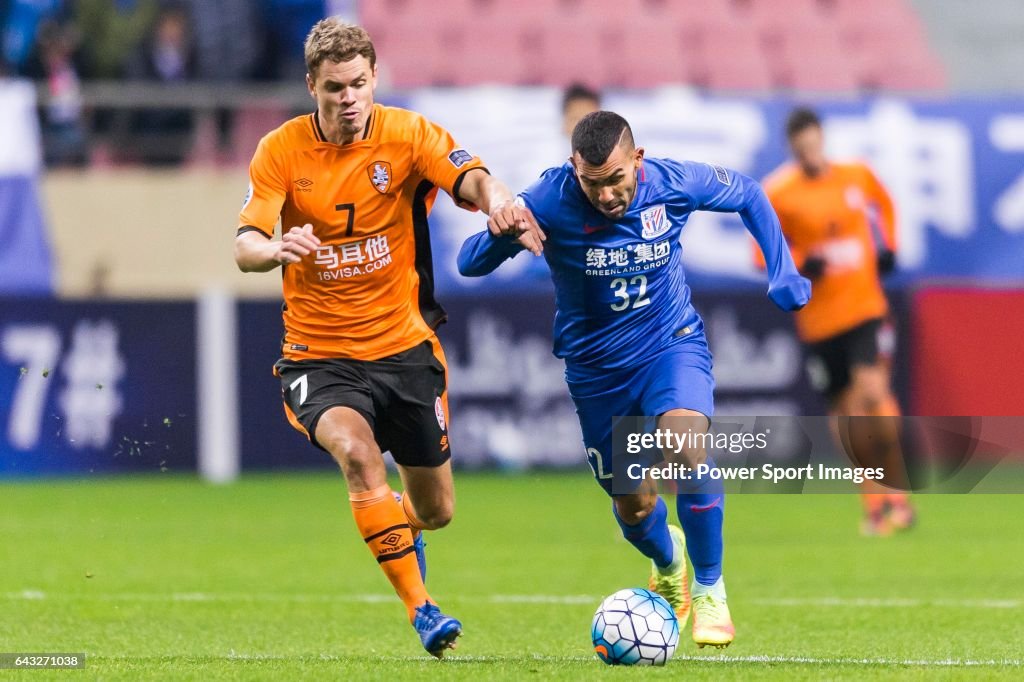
[840, 224]
[578, 100]
[632, 341]
[362, 370]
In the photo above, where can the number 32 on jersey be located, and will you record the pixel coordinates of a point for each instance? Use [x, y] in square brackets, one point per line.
[629, 293]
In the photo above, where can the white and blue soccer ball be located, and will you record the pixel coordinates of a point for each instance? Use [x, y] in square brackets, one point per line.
[635, 627]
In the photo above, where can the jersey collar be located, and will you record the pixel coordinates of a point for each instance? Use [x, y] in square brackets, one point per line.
[318, 132]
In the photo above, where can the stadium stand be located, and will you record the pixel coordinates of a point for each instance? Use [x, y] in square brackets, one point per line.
[815, 47]
[805, 45]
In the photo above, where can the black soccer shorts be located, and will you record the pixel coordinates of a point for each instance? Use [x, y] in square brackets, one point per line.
[403, 397]
[830, 361]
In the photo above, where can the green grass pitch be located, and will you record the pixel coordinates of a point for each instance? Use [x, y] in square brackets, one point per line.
[164, 577]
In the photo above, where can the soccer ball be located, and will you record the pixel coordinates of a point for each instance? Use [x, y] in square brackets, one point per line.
[635, 627]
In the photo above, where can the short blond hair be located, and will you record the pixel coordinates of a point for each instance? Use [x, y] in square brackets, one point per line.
[334, 39]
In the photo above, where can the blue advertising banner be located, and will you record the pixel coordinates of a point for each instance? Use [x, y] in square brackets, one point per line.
[96, 387]
[268, 440]
[954, 167]
[92, 388]
[509, 406]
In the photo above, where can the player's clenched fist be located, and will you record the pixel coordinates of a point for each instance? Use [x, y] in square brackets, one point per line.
[509, 218]
[296, 243]
[513, 219]
[531, 237]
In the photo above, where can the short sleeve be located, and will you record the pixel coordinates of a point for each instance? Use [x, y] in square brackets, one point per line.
[440, 160]
[267, 190]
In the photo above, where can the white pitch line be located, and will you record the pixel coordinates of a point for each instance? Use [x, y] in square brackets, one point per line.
[892, 603]
[810, 660]
[39, 595]
[564, 599]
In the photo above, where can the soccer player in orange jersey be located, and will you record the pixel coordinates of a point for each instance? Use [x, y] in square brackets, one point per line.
[839, 222]
[362, 370]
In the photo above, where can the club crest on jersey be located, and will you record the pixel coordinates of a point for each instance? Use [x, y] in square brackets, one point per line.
[439, 412]
[655, 221]
[380, 175]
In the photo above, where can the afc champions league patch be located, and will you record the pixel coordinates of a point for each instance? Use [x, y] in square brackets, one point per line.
[655, 221]
[721, 174]
[439, 413]
[460, 157]
[380, 175]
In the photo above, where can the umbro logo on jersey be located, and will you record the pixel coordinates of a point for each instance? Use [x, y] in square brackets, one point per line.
[380, 175]
[655, 221]
[303, 185]
[590, 229]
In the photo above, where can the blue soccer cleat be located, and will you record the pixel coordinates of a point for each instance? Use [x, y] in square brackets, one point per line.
[436, 630]
[420, 547]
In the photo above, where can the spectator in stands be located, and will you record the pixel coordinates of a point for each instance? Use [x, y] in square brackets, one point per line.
[578, 100]
[163, 135]
[21, 21]
[63, 130]
[288, 22]
[227, 61]
[167, 55]
[113, 29]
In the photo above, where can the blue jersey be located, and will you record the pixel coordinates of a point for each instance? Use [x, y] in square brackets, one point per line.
[620, 290]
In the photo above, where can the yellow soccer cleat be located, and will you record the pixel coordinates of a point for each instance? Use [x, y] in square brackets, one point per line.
[674, 586]
[712, 623]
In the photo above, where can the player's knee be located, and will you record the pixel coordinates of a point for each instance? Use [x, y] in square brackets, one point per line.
[869, 393]
[633, 510]
[869, 399]
[438, 517]
[357, 456]
[692, 458]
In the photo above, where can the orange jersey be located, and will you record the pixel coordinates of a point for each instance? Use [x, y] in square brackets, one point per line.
[832, 217]
[368, 290]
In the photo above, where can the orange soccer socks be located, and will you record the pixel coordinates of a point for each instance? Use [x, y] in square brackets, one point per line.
[410, 515]
[385, 528]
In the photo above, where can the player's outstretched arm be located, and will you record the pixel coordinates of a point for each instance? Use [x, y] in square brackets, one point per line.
[786, 287]
[254, 252]
[721, 189]
[482, 253]
[505, 215]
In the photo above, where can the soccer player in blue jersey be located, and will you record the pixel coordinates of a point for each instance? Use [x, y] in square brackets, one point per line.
[609, 226]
